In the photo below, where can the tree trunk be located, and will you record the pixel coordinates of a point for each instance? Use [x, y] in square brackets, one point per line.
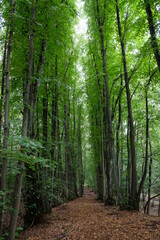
[108, 121]
[74, 147]
[135, 204]
[59, 139]
[18, 182]
[150, 178]
[102, 122]
[33, 199]
[6, 118]
[103, 163]
[3, 80]
[55, 127]
[99, 182]
[122, 156]
[129, 162]
[54, 115]
[154, 41]
[146, 156]
[108, 126]
[46, 204]
[67, 158]
[80, 165]
[117, 141]
[157, 195]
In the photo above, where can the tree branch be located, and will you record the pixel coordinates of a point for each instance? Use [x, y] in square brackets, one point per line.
[149, 201]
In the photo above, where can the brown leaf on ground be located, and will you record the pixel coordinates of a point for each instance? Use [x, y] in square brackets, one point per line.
[87, 219]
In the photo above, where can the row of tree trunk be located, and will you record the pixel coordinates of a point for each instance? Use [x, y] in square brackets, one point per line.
[61, 150]
[109, 168]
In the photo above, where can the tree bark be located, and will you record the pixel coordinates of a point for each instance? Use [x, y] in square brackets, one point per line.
[80, 165]
[18, 181]
[54, 114]
[33, 199]
[108, 121]
[109, 137]
[150, 178]
[46, 205]
[59, 139]
[147, 141]
[117, 141]
[6, 117]
[154, 41]
[132, 136]
[147, 135]
[128, 180]
[103, 163]
[67, 151]
[102, 122]
[74, 146]
[3, 81]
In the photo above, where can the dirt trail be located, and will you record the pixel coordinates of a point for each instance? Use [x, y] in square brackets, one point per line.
[87, 219]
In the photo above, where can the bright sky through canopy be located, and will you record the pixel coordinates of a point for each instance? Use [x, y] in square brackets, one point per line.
[81, 27]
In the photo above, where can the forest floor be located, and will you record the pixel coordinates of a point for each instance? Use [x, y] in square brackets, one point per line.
[87, 219]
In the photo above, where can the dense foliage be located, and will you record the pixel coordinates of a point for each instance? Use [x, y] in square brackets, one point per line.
[42, 123]
[122, 82]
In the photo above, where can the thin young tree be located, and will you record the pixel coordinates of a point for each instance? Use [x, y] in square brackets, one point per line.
[18, 181]
[6, 117]
[130, 115]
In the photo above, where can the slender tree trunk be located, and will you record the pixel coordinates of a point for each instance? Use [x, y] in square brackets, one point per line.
[34, 89]
[67, 159]
[118, 147]
[102, 123]
[117, 141]
[150, 178]
[33, 199]
[36, 85]
[143, 154]
[59, 139]
[147, 138]
[54, 114]
[18, 181]
[109, 137]
[99, 181]
[154, 41]
[129, 162]
[146, 156]
[132, 136]
[3, 80]
[108, 120]
[74, 147]
[46, 204]
[80, 166]
[6, 118]
[37, 122]
[122, 156]
[157, 195]
[103, 163]
[55, 127]
[35, 204]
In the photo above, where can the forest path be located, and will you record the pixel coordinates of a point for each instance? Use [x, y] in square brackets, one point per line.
[87, 219]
